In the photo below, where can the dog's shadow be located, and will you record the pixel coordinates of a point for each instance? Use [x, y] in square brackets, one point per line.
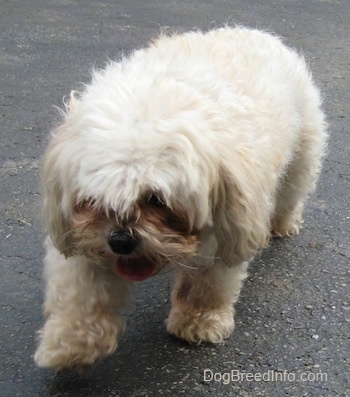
[138, 367]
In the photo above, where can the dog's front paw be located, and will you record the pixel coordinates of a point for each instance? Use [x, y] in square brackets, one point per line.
[67, 343]
[212, 326]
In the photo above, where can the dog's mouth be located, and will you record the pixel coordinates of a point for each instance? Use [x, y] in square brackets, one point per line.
[136, 269]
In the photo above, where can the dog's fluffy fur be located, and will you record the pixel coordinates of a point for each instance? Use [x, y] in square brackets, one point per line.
[201, 146]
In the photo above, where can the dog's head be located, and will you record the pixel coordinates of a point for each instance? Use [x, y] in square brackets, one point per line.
[139, 178]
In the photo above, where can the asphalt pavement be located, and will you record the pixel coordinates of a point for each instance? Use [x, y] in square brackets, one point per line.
[292, 321]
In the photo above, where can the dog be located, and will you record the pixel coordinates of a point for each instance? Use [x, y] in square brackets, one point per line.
[187, 155]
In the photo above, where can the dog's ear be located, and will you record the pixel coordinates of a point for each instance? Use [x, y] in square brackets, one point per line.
[241, 211]
[57, 205]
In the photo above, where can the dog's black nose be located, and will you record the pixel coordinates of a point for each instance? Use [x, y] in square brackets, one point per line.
[122, 242]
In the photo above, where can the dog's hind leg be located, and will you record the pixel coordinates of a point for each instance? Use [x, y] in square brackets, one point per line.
[301, 176]
[202, 303]
[82, 306]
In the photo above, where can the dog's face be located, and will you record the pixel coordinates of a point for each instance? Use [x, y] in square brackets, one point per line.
[141, 244]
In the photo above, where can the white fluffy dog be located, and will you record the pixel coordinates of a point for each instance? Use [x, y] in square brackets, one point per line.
[190, 153]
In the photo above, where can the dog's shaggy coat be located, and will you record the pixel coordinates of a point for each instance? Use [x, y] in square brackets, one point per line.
[192, 152]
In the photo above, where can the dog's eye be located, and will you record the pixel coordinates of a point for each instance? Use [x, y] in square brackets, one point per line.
[154, 201]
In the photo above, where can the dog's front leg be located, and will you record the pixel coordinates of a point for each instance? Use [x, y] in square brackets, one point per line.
[82, 304]
[202, 303]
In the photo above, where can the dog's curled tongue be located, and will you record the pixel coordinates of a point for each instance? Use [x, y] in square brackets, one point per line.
[135, 269]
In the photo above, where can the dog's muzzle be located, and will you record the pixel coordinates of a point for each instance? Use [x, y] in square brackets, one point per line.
[122, 242]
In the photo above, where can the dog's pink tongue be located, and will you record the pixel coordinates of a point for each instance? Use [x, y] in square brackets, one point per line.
[135, 270]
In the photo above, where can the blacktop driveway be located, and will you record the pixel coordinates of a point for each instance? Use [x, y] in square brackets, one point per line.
[293, 316]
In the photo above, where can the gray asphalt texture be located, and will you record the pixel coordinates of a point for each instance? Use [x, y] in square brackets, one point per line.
[293, 315]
